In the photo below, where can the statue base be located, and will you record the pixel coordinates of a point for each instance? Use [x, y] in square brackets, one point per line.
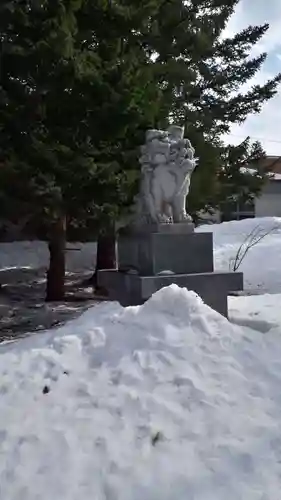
[179, 228]
[150, 252]
[131, 289]
[154, 256]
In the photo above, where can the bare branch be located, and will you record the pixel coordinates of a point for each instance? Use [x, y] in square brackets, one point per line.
[252, 239]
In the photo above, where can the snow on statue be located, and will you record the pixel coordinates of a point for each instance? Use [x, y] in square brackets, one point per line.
[167, 161]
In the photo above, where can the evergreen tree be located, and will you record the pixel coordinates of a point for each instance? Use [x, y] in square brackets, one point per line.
[80, 82]
[38, 144]
[242, 175]
[72, 105]
[202, 75]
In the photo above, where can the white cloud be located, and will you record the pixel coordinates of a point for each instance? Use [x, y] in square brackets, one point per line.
[267, 125]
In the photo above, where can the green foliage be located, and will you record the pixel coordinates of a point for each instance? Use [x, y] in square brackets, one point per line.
[80, 82]
[76, 96]
[200, 71]
[242, 175]
[39, 149]
[201, 74]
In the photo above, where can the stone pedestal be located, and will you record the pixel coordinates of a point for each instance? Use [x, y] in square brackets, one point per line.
[153, 257]
[151, 254]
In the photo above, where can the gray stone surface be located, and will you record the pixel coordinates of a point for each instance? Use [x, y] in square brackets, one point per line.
[179, 228]
[152, 253]
[131, 289]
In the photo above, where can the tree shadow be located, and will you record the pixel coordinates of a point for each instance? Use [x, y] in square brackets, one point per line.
[23, 309]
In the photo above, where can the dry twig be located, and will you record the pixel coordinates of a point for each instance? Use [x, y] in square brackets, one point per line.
[252, 239]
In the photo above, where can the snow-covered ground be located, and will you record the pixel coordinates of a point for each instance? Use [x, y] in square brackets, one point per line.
[261, 312]
[168, 400]
[35, 255]
[262, 264]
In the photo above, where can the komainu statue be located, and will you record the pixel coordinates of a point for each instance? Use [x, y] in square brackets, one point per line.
[167, 162]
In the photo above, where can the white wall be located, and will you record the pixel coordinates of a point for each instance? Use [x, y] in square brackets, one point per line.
[268, 204]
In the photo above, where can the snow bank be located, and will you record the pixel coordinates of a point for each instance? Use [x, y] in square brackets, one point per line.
[262, 264]
[166, 400]
[35, 255]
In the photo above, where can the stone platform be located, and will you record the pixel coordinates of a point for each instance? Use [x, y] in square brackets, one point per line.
[133, 289]
[154, 256]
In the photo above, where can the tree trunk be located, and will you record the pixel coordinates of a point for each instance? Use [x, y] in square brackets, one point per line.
[106, 255]
[56, 271]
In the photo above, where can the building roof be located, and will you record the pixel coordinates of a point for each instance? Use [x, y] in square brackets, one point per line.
[273, 163]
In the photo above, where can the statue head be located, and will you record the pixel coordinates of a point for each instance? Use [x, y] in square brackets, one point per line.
[176, 133]
[153, 134]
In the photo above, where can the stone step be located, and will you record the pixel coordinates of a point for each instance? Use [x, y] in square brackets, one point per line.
[133, 289]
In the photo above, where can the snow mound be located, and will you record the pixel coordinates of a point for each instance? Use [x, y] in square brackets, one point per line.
[228, 237]
[165, 400]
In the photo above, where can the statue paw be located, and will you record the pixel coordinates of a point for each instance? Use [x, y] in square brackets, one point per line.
[185, 218]
[163, 219]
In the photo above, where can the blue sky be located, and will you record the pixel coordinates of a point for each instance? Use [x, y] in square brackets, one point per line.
[267, 125]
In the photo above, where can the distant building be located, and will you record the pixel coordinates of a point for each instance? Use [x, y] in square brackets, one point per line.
[267, 204]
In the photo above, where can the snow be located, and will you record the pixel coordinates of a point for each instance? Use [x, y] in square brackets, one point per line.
[277, 177]
[274, 176]
[260, 312]
[35, 254]
[165, 400]
[262, 264]
[172, 368]
[228, 237]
